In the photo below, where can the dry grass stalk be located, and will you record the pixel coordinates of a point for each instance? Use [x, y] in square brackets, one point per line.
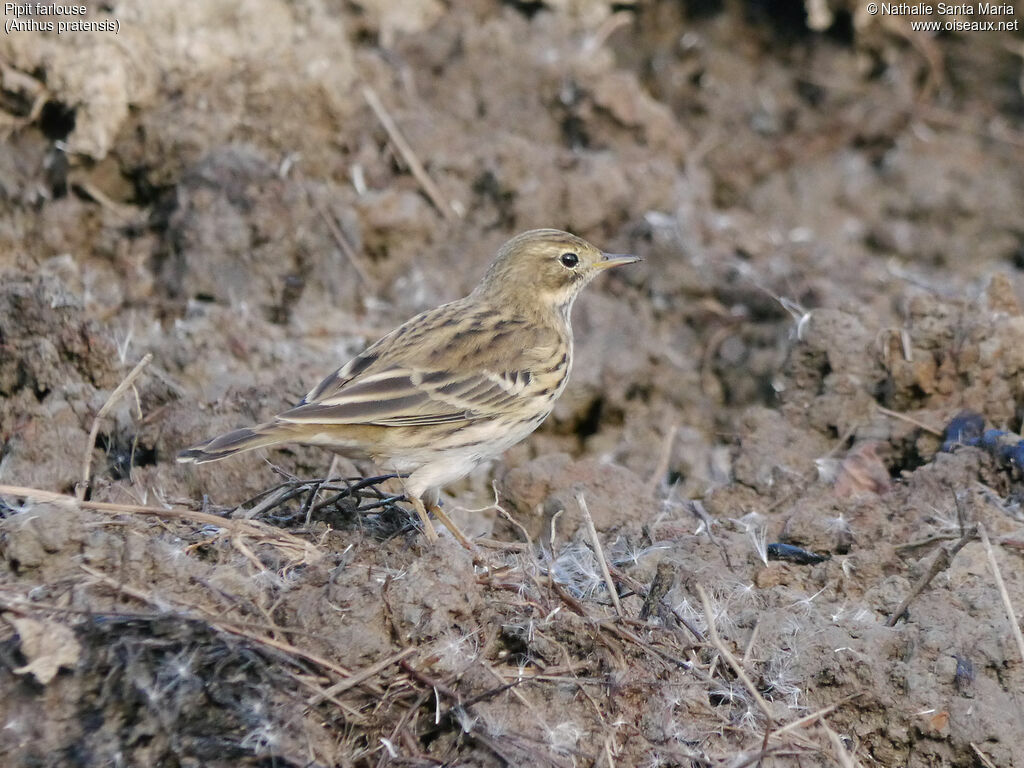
[727, 655]
[808, 719]
[408, 155]
[513, 685]
[126, 213]
[664, 458]
[343, 243]
[141, 595]
[751, 641]
[355, 678]
[599, 552]
[942, 560]
[90, 442]
[352, 715]
[617, 20]
[630, 583]
[982, 756]
[998, 576]
[844, 758]
[298, 550]
[608, 751]
[502, 546]
[909, 420]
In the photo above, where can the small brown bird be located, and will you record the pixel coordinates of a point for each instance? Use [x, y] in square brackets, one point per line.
[454, 386]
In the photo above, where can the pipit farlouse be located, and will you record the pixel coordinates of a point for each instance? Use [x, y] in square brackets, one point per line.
[454, 386]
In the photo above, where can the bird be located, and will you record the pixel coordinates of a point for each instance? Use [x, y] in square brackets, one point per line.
[453, 387]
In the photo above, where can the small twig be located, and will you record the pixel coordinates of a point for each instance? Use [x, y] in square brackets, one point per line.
[504, 546]
[604, 31]
[643, 591]
[661, 468]
[647, 647]
[926, 541]
[1002, 590]
[358, 677]
[942, 560]
[696, 507]
[574, 604]
[516, 524]
[664, 575]
[138, 594]
[280, 645]
[343, 243]
[254, 528]
[751, 641]
[351, 715]
[608, 751]
[125, 212]
[727, 655]
[759, 756]
[982, 756]
[306, 511]
[90, 444]
[517, 678]
[808, 719]
[411, 710]
[285, 492]
[599, 552]
[844, 758]
[909, 420]
[238, 543]
[406, 151]
[553, 530]
[455, 531]
[512, 686]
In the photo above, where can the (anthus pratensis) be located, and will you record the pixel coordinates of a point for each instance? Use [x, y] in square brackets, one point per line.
[454, 386]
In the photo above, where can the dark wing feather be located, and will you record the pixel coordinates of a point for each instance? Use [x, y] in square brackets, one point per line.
[441, 367]
[404, 397]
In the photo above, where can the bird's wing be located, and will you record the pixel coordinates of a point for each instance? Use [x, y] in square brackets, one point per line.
[402, 396]
[434, 370]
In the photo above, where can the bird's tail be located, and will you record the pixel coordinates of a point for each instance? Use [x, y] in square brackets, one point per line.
[237, 441]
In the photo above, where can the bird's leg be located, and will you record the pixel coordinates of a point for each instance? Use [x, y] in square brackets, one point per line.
[428, 527]
[432, 500]
[451, 526]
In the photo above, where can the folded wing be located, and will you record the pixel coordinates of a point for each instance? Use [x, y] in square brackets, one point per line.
[402, 396]
[449, 364]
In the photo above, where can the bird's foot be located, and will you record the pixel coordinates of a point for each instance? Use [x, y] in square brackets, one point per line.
[428, 527]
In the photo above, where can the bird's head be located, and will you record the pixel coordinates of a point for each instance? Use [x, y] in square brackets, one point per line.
[546, 266]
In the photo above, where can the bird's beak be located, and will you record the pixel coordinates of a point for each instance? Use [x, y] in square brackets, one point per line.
[616, 260]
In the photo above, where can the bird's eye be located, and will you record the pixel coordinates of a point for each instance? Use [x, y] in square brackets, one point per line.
[569, 260]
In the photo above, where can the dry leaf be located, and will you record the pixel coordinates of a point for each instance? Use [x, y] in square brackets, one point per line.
[862, 471]
[47, 645]
[939, 721]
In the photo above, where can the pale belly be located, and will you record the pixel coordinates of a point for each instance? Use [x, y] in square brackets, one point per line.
[457, 455]
[447, 455]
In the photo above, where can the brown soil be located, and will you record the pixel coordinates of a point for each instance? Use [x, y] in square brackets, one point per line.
[833, 242]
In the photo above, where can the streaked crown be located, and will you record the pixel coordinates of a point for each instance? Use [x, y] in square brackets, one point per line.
[545, 266]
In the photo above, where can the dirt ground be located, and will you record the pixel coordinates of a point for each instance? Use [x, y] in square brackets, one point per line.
[830, 211]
